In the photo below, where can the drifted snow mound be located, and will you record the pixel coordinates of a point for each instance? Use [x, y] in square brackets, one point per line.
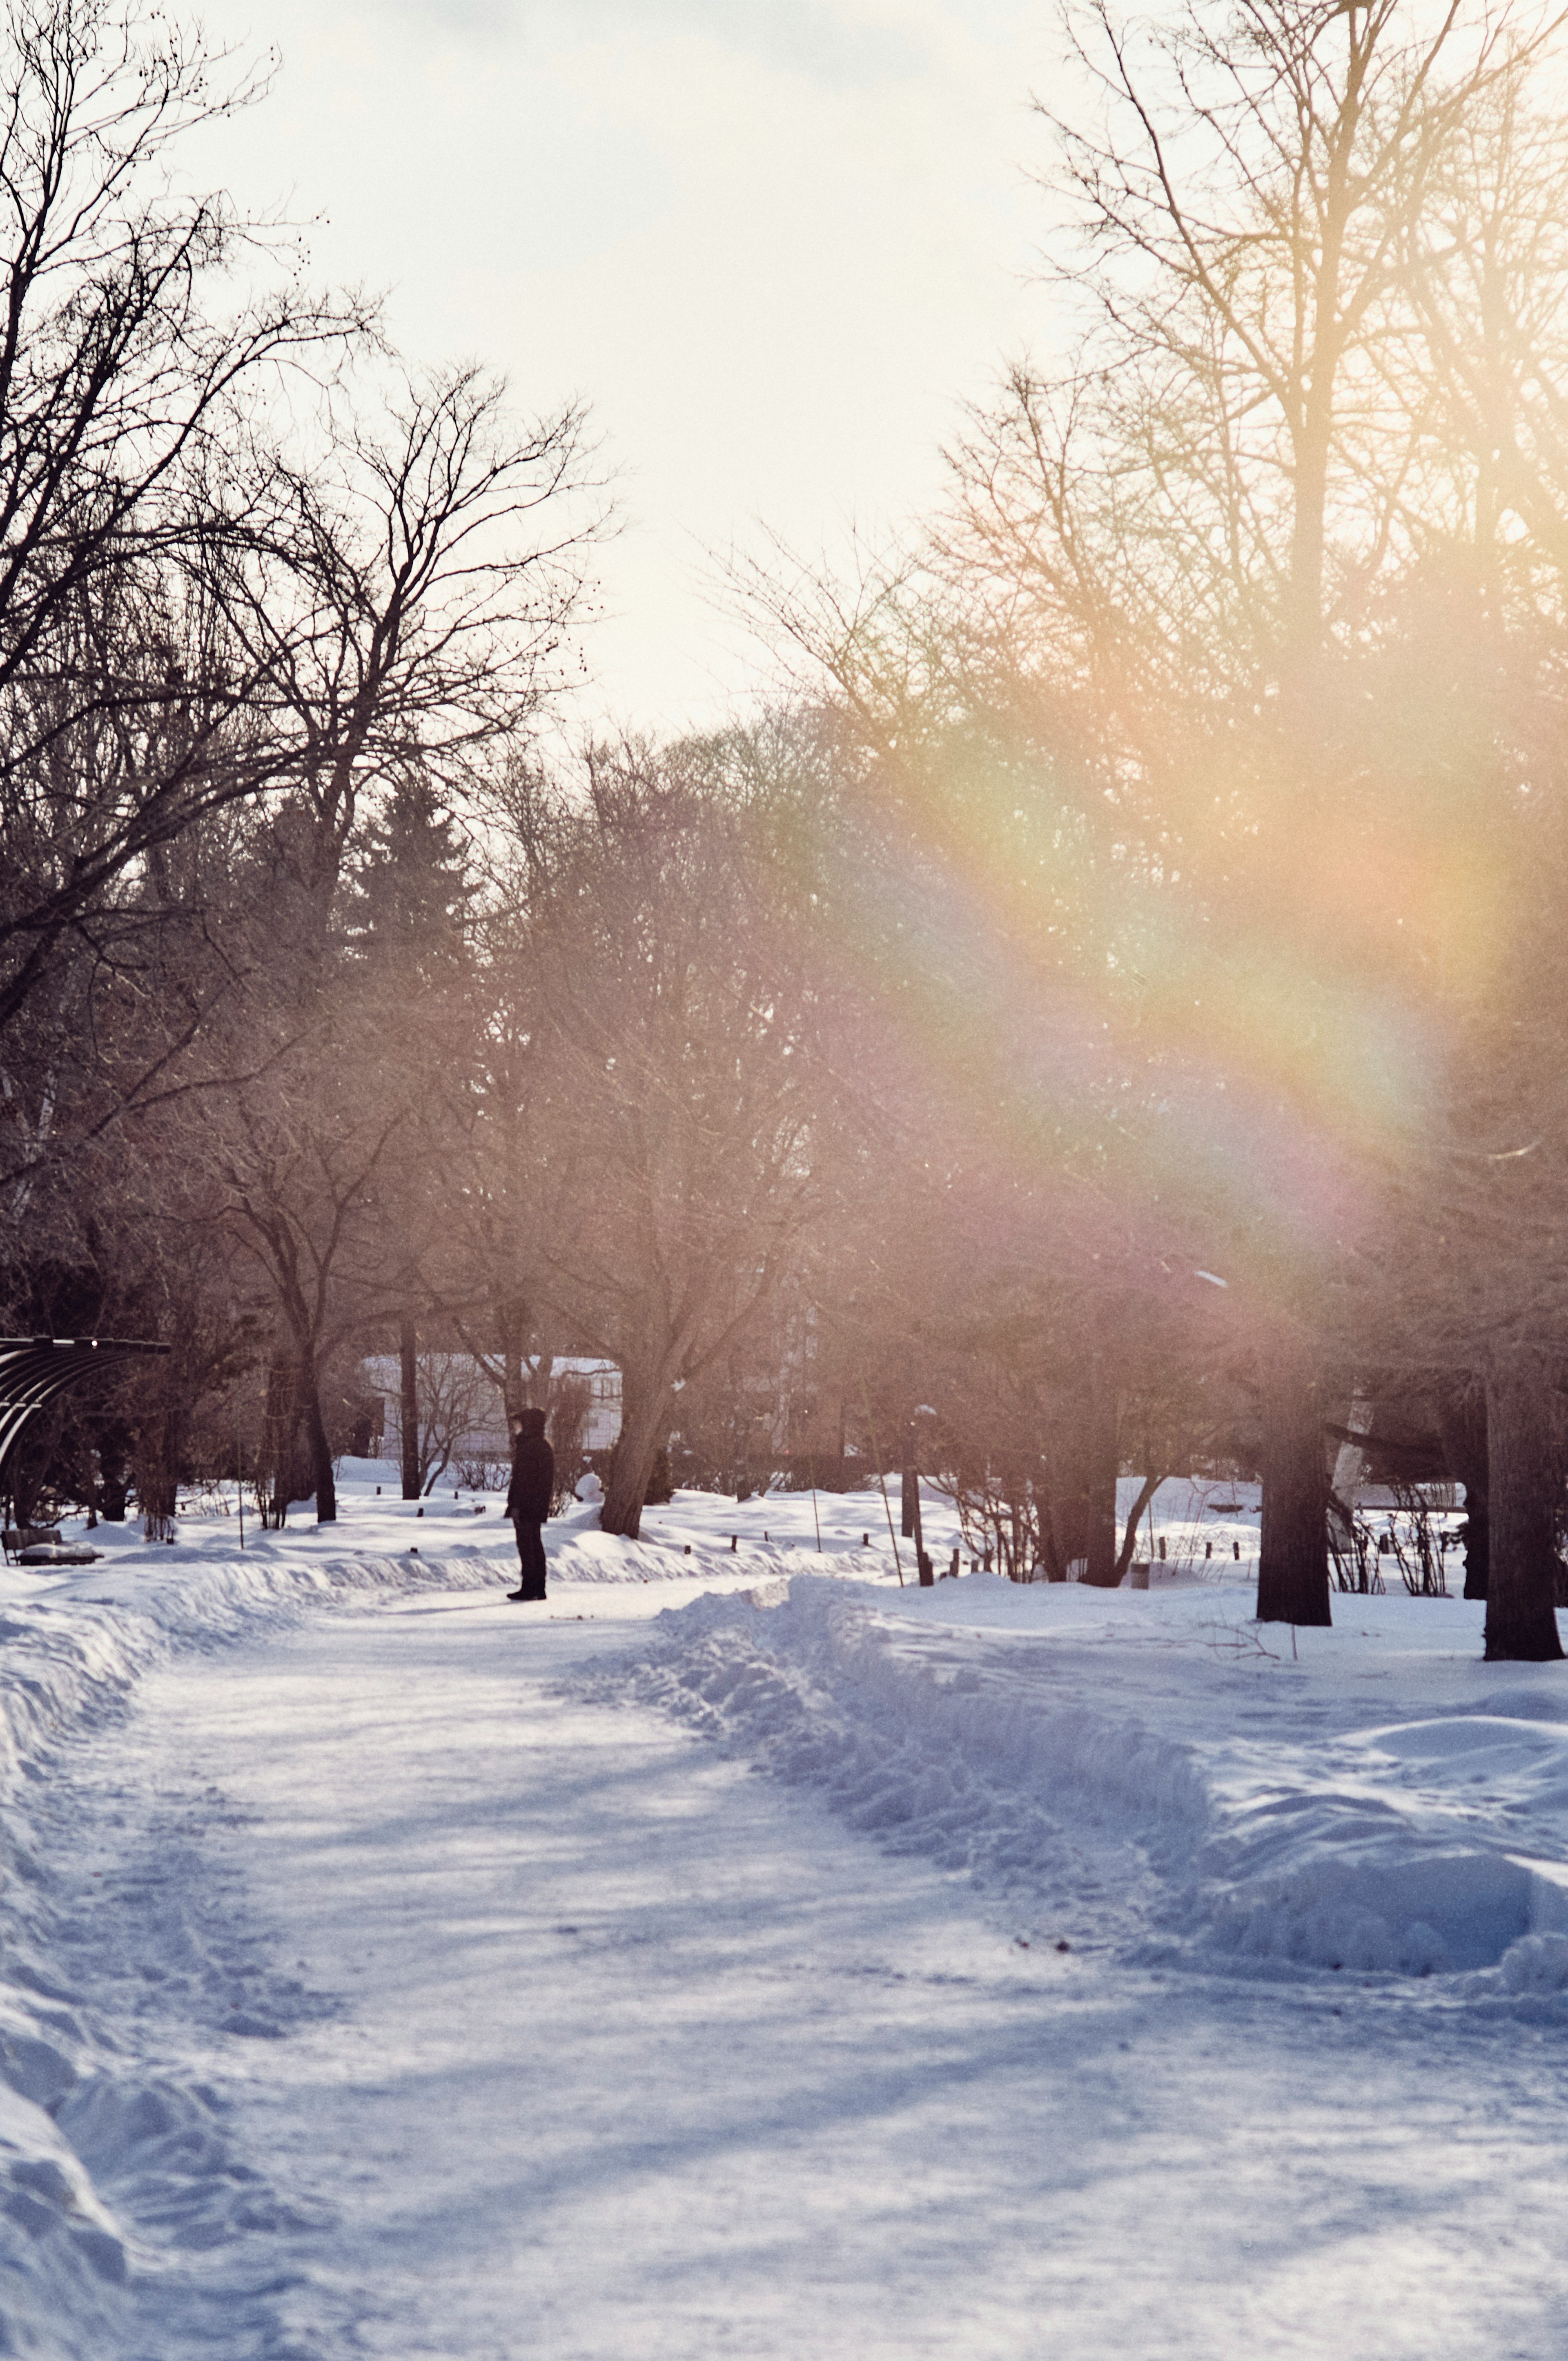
[578, 1551]
[64, 2257]
[928, 1741]
[1536, 1964]
[1424, 1849]
[1412, 1907]
[1387, 1849]
[582, 1553]
[89, 2147]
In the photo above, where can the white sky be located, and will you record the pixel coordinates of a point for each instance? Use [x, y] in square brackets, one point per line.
[774, 243]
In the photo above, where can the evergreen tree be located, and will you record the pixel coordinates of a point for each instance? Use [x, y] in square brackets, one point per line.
[410, 891]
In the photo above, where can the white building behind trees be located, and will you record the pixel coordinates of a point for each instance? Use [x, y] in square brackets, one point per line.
[461, 1410]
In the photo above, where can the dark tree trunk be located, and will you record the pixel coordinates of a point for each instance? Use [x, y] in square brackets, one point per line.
[913, 1528]
[511, 1323]
[158, 1474]
[1477, 1540]
[568, 1424]
[408, 1407]
[645, 1428]
[1521, 1623]
[908, 1502]
[1462, 1423]
[30, 1462]
[1293, 1558]
[112, 1479]
[1146, 1491]
[1099, 1472]
[1068, 1529]
[916, 1531]
[279, 1424]
[1046, 1541]
[324, 1481]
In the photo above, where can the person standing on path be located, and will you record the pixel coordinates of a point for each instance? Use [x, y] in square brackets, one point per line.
[528, 1501]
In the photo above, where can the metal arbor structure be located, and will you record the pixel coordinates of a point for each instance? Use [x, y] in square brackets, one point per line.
[34, 1370]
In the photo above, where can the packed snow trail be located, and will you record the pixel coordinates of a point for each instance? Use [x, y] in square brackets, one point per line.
[518, 2020]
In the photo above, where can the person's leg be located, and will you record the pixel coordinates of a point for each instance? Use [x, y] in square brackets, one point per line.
[520, 1531]
[531, 1556]
[531, 1548]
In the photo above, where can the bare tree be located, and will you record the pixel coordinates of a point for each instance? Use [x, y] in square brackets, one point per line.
[1197, 514]
[127, 393]
[193, 616]
[302, 1165]
[448, 1392]
[418, 611]
[511, 1176]
[677, 1013]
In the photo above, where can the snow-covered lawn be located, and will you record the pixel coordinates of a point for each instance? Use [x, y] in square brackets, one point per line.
[391, 1970]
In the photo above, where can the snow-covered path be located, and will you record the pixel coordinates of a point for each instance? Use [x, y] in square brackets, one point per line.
[547, 2029]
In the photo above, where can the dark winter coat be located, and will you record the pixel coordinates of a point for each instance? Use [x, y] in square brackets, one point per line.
[533, 1473]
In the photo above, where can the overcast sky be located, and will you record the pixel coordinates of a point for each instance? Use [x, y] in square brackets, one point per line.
[773, 243]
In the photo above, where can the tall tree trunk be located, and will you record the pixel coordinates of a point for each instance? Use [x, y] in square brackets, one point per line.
[29, 1465]
[1350, 1465]
[1309, 480]
[1521, 1621]
[646, 1415]
[1477, 1539]
[1069, 1525]
[317, 1444]
[512, 1324]
[916, 1528]
[1462, 1423]
[111, 1474]
[408, 1407]
[279, 1424]
[1101, 1469]
[1051, 1553]
[1293, 1558]
[908, 1498]
[1146, 1491]
[158, 1472]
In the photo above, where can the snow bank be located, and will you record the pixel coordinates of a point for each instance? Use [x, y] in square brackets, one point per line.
[1363, 1854]
[75, 2118]
[929, 1741]
[1154, 1775]
[1149, 1775]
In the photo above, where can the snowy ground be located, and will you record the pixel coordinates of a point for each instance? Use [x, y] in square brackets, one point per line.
[389, 1971]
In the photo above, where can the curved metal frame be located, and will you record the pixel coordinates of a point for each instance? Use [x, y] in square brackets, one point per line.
[34, 1370]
